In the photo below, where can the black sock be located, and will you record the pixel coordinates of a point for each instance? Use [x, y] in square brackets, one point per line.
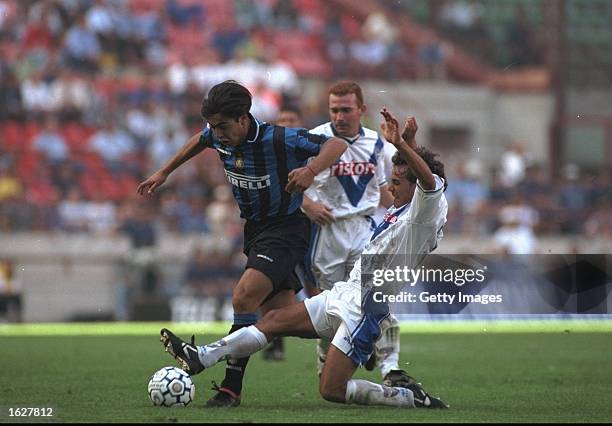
[277, 344]
[234, 372]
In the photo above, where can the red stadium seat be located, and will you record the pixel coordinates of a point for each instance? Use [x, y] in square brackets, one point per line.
[92, 162]
[128, 187]
[27, 163]
[31, 130]
[186, 38]
[76, 137]
[14, 136]
[310, 7]
[140, 6]
[303, 52]
[219, 10]
[88, 185]
[106, 86]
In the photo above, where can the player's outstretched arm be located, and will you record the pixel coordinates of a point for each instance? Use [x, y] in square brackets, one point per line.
[191, 148]
[390, 129]
[301, 178]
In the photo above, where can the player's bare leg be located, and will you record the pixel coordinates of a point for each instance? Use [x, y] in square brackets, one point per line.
[275, 350]
[290, 320]
[250, 292]
[337, 372]
[337, 385]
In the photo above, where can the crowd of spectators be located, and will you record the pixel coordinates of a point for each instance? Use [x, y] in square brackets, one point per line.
[97, 94]
[518, 201]
[94, 95]
[502, 34]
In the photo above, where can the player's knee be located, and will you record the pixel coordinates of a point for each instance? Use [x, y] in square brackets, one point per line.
[242, 303]
[333, 392]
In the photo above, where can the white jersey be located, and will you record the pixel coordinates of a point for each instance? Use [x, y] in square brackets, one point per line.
[351, 186]
[412, 234]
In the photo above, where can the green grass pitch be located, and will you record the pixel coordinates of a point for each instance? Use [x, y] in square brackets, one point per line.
[488, 372]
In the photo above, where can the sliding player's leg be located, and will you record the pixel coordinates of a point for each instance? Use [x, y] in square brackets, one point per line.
[291, 320]
[337, 385]
[343, 358]
[327, 264]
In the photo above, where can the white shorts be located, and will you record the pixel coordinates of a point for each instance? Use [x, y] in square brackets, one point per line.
[335, 248]
[337, 315]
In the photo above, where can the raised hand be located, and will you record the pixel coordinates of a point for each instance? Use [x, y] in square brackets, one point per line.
[410, 129]
[390, 127]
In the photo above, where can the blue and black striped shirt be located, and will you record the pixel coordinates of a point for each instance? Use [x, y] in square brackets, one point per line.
[258, 169]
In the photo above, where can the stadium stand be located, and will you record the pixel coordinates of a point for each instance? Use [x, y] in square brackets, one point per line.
[145, 65]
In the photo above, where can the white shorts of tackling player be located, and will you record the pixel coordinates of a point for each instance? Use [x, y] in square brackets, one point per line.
[337, 315]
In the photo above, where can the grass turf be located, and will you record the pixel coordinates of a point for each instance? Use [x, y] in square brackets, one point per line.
[512, 372]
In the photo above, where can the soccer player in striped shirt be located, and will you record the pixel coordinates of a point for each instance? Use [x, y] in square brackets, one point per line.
[266, 166]
[349, 313]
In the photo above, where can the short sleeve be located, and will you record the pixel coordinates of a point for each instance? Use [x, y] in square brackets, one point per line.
[306, 144]
[427, 206]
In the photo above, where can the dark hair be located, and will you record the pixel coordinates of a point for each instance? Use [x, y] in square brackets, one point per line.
[429, 157]
[229, 98]
[347, 87]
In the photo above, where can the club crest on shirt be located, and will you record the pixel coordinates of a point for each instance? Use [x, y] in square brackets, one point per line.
[239, 163]
[390, 218]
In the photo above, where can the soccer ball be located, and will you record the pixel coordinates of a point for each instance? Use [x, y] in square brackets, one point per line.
[170, 387]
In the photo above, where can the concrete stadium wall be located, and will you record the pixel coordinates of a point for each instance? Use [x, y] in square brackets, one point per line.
[66, 276]
[493, 119]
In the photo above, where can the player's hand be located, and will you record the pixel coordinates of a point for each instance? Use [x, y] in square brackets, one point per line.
[410, 129]
[390, 127]
[152, 183]
[319, 213]
[299, 179]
